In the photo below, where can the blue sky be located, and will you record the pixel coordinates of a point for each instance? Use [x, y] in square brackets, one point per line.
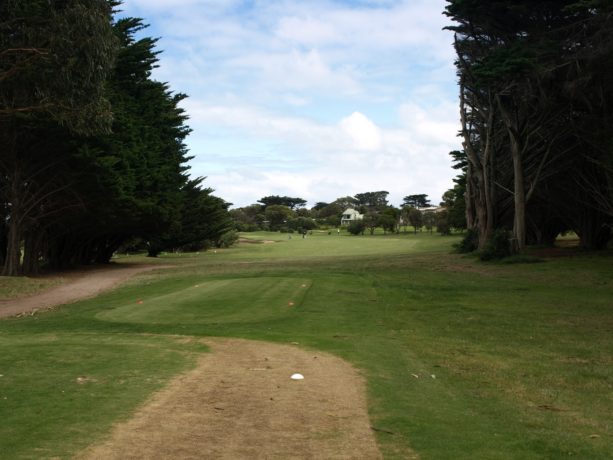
[316, 98]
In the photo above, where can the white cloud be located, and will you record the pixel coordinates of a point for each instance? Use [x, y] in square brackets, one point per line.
[402, 25]
[316, 45]
[297, 70]
[256, 122]
[364, 134]
[307, 31]
[168, 5]
[430, 126]
[295, 100]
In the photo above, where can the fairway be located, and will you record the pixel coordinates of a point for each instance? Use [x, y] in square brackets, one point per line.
[461, 359]
[320, 245]
[221, 301]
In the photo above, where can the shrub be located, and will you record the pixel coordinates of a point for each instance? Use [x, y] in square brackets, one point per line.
[442, 223]
[284, 229]
[356, 227]
[498, 246]
[227, 239]
[246, 227]
[469, 243]
[301, 223]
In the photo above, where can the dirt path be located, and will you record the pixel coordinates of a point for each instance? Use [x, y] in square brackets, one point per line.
[80, 285]
[240, 403]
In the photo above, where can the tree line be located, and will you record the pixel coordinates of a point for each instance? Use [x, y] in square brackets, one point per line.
[289, 214]
[92, 147]
[536, 119]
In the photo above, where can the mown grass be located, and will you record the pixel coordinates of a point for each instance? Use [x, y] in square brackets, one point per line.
[463, 359]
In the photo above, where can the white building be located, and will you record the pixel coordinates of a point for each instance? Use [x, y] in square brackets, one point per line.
[350, 215]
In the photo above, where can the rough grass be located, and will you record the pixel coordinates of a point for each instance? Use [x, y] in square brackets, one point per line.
[12, 287]
[60, 390]
[463, 359]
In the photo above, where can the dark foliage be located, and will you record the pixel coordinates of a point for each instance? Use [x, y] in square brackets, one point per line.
[469, 243]
[535, 104]
[498, 246]
[73, 187]
[357, 227]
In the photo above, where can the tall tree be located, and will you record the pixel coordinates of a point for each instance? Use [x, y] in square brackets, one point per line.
[346, 202]
[416, 218]
[278, 216]
[141, 165]
[416, 201]
[290, 202]
[525, 82]
[370, 202]
[54, 60]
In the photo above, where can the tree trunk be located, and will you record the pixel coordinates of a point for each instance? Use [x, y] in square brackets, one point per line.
[468, 199]
[12, 264]
[30, 257]
[3, 242]
[476, 202]
[488, 188]
[31, 253]
[593, 231]
[519, 192]
[479, 164]
[519, 221]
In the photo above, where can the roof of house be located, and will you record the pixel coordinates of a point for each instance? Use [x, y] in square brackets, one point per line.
[351, 212]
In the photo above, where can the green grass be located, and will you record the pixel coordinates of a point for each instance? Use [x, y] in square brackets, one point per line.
[58, 391]
[463, 359]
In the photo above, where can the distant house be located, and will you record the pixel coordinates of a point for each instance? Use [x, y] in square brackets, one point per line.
[431, 209]
[350, 215]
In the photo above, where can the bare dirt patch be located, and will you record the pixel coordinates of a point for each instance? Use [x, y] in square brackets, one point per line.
[240, 403]
[79, 284]
[250, 241]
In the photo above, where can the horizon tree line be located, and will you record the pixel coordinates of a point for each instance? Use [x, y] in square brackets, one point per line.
[282, 213]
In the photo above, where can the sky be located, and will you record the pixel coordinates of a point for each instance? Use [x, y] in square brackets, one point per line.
[317, 99]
